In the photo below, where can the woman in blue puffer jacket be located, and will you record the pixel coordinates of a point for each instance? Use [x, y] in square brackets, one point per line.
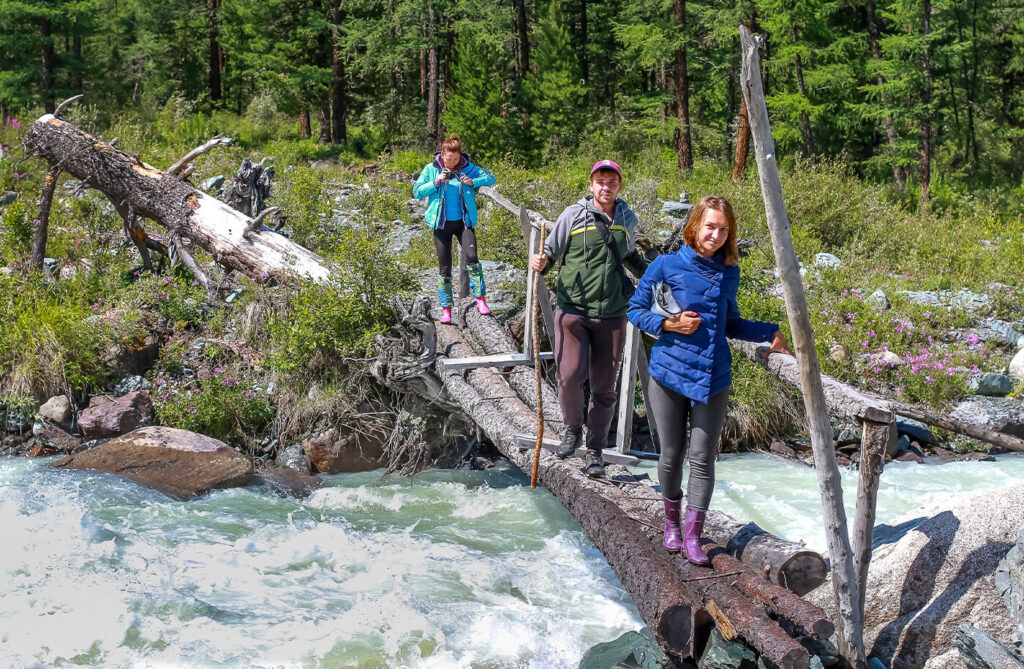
[450, 183]
[691, 364]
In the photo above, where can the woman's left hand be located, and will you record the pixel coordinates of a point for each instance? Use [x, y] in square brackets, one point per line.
[779, 344]
[465, 181]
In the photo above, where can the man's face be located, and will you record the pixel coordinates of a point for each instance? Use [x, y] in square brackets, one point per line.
[605, 185]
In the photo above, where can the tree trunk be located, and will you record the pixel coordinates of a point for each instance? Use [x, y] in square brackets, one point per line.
[581, 43]
[323, 114]
[739, 163]
[898, 172]
[339, 129]
[423, 74]
[926, 102]
[805, 121]
[305, 131]
[48, 65]
[236, 241]
[42, 223]
[682, 89]
[433, 87]
[523, 29]
[844, 581]
[76, 52]
[214, 64]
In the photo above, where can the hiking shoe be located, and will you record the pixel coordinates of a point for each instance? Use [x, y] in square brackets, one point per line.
[594, 464]
[570, 442]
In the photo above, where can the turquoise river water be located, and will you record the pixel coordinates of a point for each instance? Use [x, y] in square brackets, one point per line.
[446, 569]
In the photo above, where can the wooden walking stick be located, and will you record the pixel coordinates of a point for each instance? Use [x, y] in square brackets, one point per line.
[536, 366]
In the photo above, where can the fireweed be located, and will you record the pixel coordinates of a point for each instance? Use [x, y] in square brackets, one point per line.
[215, 403]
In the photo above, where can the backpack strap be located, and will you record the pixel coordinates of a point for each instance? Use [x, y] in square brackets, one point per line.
[606, 234]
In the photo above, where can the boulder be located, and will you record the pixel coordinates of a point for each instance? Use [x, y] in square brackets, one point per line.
[877, 300]
[1009, 581]
[293, 457]
[108, 416]
[932, 571]
[991, 384]
[779, 448]
[979, 650]
[1016, 368]
[827, 261]
[839, 354]
[58, 410]
[287, 482]
[1002, 414]
[632, 649]
[960, 300]
[677, 209]
[53, 440]
[178, 463]
[915, 429]
[722, 654]
[130, 384]
[340, 450]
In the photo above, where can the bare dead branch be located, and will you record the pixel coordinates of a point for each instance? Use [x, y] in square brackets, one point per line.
[177, 167]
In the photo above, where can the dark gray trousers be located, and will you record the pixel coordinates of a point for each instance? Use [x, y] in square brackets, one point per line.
[672, 414]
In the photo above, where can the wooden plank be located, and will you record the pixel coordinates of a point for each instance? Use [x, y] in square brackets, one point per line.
[851, 629]
[645, 383]
[876, 439]
[528, 441]
[627, 379]
[501, 360]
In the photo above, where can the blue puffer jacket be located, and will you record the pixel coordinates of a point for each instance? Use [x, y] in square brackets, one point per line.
[427, 187]
[696, 365]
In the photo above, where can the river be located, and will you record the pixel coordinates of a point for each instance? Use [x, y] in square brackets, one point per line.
[445, 569]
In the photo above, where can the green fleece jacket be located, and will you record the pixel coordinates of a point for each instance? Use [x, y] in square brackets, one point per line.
[589, 284]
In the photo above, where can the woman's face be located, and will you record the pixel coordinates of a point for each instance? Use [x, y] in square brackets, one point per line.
[713, 233]
[450, 159]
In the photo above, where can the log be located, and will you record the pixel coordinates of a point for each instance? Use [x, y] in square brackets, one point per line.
[779, 602]
[789, 564]
[825, 465]
[877, 438]
[960, 427]
[153, 194]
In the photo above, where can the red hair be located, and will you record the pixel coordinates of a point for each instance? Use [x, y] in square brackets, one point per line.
[696, 219]
[452, 144]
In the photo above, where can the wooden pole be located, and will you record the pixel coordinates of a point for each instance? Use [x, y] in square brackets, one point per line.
[851, 628]
[537, 370]
[877, 437]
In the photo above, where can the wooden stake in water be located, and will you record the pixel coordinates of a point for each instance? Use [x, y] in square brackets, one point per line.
[536, 366]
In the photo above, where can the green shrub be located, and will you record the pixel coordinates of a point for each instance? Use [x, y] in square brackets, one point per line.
[216, 403]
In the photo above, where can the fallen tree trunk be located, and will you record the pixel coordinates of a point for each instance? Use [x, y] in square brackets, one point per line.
[227, 235]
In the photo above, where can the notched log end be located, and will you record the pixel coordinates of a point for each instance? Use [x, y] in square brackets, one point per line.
[55, 122]
[676, 628]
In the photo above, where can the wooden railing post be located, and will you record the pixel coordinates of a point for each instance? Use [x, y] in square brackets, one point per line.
[877, 438]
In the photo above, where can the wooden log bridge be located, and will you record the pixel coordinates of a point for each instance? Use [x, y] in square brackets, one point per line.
[622, 515]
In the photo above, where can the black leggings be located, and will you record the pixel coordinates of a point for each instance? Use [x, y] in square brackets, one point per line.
[443, 245]
[672, 414]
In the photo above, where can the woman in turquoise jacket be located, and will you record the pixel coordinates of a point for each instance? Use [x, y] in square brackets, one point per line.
[450, 183]
[691, 365]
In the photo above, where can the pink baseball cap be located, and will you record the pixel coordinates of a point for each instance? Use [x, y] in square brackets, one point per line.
[606, 165]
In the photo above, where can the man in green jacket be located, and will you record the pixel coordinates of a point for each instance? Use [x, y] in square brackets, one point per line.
[592, 294]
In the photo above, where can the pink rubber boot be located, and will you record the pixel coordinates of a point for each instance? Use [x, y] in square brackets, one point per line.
[673, 542]
[446, 315]
[481, 306]
[694, 525]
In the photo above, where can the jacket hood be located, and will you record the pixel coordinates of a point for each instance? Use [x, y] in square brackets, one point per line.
[588, 204]
[463, 161]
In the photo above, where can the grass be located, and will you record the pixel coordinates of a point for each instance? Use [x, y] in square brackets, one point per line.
[54, 339]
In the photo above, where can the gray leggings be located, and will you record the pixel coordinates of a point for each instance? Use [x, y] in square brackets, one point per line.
[670, 412]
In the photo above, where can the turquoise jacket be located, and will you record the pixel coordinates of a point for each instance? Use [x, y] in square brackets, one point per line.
[427, 186]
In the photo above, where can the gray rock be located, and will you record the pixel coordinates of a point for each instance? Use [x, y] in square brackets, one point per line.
[915, 429]
[827, 261]
[293, 457]
[678, 209]
[1002, 414]
[58, 410]
[877, 300]
[902, 445]
[131, 384]
[8, 197]
[847, 435]
[288, 482]
[722, 654]
[839, 354]
[234, 295]
[1016, 368]
[402, 236]
[1000, 332]
[931, 572]
[418, 208]
[991, 384]
[980, 650]
[632, 649]
[213, 182]
[50, 266]
[1009, 580]
[963, 300]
